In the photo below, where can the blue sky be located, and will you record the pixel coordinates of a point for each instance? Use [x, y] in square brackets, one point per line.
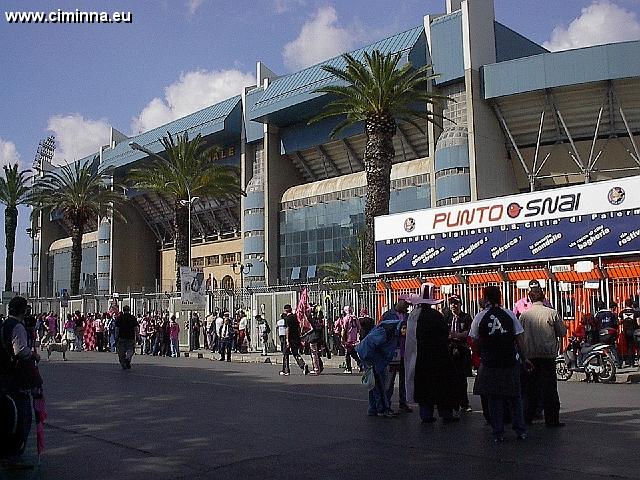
[179, 56]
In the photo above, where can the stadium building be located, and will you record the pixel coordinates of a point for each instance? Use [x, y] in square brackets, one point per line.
[521, 119]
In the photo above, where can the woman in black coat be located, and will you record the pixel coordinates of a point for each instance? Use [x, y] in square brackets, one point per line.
[428, 362]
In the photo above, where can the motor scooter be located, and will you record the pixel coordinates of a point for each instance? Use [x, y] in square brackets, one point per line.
[595, 361]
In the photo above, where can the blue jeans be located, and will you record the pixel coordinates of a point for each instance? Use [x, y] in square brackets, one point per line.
[496, 414]
[175, 349]
[112, 341]
[391, 380]
[378, 402]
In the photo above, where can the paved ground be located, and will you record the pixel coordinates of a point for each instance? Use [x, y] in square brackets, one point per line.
[196, 419]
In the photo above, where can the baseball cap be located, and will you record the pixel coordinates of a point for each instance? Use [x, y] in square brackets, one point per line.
[455, 299]
[534, 284]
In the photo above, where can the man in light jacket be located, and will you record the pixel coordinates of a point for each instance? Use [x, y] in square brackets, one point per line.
[542, 328]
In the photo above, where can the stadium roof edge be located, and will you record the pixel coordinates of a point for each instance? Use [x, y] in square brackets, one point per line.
[568, 67]
[295, 88]
[207, 121]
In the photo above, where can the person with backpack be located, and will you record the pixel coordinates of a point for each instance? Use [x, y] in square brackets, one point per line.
[18, 377]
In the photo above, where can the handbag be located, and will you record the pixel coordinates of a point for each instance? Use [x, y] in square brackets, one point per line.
[369, 379]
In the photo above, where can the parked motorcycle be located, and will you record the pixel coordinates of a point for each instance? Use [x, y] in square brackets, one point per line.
[595, 361]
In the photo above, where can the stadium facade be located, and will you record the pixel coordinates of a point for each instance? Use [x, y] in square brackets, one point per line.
[521, 119]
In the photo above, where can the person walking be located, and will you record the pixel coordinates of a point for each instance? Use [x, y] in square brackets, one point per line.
[293, 342]
[144, 335]
[174, 333]
[126, 326]
[349, 335]
[459, 323]
[264, 330]
[242, 333]
[630, 320]
[78, 321]
[18, 378]
[314, 339]
[226, 335]
[429, 379]
[218, 340]
[497, 330]
[542, 329]
[70, 332]
[98, 326]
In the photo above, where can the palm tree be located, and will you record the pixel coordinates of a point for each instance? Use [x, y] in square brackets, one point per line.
[13, 192]
[379, 94]
[349, 270]
[188, 171]
[79, 192]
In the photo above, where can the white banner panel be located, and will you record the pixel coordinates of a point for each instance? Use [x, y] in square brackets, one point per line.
[192, 289]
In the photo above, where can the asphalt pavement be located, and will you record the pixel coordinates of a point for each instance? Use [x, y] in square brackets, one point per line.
[191, 418]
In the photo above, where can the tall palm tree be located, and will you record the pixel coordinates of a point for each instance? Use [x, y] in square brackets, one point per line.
[380, 94]
[79, 192]
[187, 170]
[14, 189]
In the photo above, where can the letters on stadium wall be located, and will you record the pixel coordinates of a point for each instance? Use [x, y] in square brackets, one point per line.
[601, 218]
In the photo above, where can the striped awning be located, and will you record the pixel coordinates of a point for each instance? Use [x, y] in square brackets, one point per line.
[533, 274]
[485, 277]
[623, 270]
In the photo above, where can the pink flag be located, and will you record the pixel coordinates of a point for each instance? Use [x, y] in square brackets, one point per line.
[301, 312]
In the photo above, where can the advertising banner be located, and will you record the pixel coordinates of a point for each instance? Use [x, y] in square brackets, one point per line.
[192, 289]
[588, 220]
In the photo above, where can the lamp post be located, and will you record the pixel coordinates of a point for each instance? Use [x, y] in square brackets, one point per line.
[33, 233]
[242, 270]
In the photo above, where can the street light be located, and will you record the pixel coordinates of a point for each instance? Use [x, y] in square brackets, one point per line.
[33, 233]
[239, 268]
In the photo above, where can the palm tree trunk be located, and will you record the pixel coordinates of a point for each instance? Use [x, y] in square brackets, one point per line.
[76, 257]
[10, 226]
[181, 229]
[378, 155]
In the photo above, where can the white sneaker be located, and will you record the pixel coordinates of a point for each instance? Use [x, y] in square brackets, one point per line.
[347, 372]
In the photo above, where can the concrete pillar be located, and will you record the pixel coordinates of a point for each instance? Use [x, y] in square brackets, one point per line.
[487, 152]
[279, 175]
[134, 254]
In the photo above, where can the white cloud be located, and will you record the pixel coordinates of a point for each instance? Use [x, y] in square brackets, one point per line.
[599, 23]
[192, 6]
[194, 91]
[282, 6]
[320, 38]
[77, 137]
[8, 153]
